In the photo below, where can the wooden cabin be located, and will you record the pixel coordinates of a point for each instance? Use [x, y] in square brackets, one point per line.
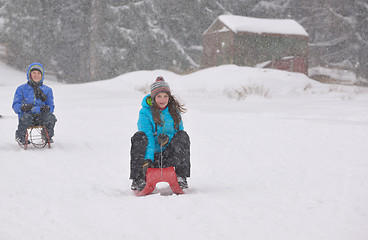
[244, 41]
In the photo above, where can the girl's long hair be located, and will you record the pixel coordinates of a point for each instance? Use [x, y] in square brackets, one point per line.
[175, 109]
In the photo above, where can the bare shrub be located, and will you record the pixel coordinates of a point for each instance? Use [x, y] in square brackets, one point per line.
[307, 87]
[144, 89]
[246, 91]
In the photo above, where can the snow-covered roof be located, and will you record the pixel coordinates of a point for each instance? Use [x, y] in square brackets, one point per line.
[262, 25]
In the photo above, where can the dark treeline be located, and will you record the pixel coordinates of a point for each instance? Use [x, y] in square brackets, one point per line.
[88, 40]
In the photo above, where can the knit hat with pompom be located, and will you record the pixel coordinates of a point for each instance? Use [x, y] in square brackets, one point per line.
[159, 86]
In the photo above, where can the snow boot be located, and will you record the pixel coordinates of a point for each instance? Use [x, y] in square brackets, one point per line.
[22, 141]
[183, 182]
[138, 184]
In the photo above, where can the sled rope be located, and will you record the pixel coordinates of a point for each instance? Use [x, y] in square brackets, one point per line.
[163, 132]
[161, 161]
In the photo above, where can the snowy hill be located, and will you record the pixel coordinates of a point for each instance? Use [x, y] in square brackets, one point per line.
[275, 155]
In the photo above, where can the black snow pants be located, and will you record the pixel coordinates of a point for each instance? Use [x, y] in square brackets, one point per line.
[176, 154]
[27, 119]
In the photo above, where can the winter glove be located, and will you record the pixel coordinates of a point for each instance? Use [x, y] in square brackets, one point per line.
[45, 108]
[162, 139]
[26, 107]
[146, 164]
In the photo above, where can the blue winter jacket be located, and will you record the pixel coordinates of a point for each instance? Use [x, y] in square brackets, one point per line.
[147, 125]
[25, 95]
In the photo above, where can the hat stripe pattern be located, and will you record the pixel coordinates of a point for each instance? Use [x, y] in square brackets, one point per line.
[159, 86]
[36, 67]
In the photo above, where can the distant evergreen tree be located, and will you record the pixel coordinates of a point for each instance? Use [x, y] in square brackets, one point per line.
[155, 34]
[73, 46]
[56, 33]
[23, 31]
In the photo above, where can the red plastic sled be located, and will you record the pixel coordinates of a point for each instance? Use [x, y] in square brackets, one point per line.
[156, 175]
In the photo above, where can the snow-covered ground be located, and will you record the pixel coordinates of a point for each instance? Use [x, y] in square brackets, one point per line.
[288, 161]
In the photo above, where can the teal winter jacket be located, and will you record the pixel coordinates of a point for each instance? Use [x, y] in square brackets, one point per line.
[148, 126]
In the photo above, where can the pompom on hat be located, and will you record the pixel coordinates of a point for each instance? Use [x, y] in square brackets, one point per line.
[159, 86]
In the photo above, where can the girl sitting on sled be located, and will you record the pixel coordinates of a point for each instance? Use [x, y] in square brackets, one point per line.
[161, 140]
